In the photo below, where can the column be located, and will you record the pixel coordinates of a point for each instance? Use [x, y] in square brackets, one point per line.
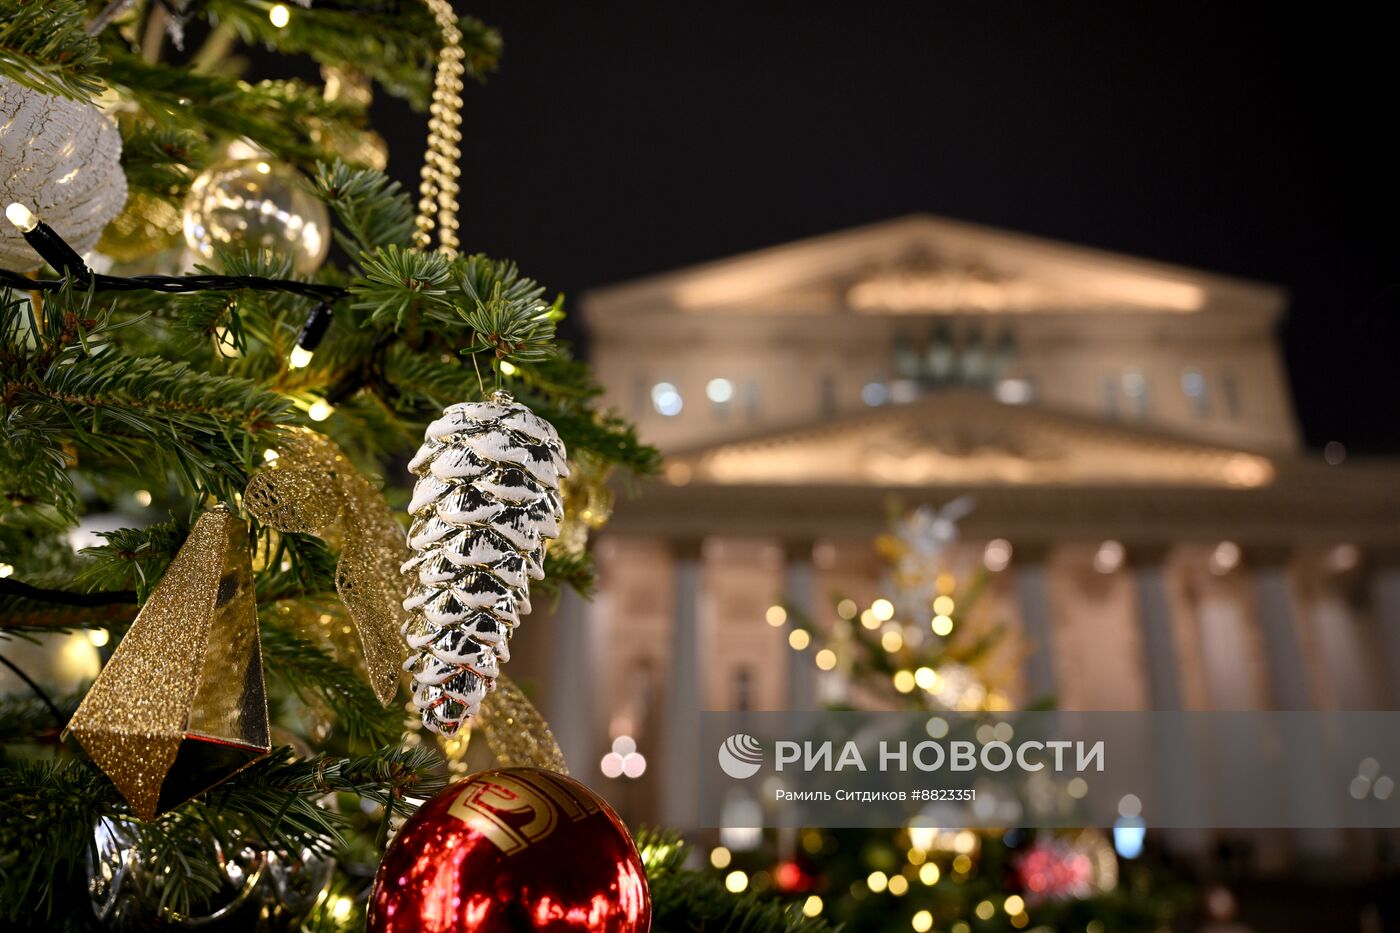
[685, 692]
[800, 595]
[1158, 641]
[572, 712]
[1385, 590]
[1278, 624]
[1291, 689]
[1033, 600]
[1183, 782]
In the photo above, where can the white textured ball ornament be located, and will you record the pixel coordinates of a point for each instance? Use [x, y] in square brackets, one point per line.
[61, 159]
[486, 499]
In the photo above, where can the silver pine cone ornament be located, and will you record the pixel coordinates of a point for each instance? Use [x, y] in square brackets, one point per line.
[486, 500]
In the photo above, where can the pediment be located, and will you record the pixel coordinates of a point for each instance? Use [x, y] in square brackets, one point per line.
[968, 439]
[927, 265]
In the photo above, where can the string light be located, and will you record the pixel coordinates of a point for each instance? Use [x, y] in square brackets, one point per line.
[99, 637]
[320, 410]
[279, 15]
[225, 343]
[826, 659]
[720, 857]
[776, 616]
[799, 639]
[735, 882]
[312, 333]
[943, 605]
[812, 906]
[340, 907]
[54, 250]
[21, 216]
[882, 609]
[877, 881]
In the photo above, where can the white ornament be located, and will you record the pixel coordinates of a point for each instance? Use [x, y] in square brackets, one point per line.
[486, 499]
[61, 159]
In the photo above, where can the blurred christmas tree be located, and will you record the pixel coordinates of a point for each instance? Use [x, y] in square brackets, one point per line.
[223, 332]
[930, 644]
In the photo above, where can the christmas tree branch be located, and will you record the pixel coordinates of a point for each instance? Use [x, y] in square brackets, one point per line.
[309, 672]
[44, 46]
[684, 901]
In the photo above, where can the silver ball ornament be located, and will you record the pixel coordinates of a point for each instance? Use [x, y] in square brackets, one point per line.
[256, 204]
[262, 889]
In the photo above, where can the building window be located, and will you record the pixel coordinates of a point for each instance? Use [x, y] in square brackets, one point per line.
[1135, 391]
[827, 391]
[1193, 383]
[666, 399]
[720, 392]
[1108, 388]
[1230, 391]
[751, 399]
[1015, 391]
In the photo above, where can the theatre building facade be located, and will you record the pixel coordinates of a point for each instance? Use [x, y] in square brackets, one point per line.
[1153, 535]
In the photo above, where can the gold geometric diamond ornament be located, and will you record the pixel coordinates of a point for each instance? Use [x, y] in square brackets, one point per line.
[181, 706]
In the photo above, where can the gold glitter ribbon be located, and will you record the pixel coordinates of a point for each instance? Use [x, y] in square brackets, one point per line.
[515, 731]
[313, 488]
[181, 705]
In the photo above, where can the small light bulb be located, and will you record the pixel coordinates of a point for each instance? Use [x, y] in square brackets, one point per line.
[299, 357]
[508, 368]
[99, 637]
[6, 570]
[225, 344]
[20, 216]
[279, 15]
[270, 455]
[320, 410]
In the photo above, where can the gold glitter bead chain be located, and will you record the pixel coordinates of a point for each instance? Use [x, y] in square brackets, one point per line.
[438, 190]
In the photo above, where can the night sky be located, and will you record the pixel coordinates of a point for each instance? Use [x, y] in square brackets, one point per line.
[623, 139]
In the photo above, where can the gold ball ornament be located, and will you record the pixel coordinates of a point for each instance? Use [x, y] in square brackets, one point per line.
[255, 204]
[146, 226]
[61, 159]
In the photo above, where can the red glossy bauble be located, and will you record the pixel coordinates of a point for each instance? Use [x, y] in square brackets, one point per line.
[511, 850]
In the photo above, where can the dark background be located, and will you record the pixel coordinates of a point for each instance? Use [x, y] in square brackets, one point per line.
[622, 139]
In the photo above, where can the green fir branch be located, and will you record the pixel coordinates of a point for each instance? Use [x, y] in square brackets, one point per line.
[373, 209]
[685, 901]
[44, 46]
[308, 672]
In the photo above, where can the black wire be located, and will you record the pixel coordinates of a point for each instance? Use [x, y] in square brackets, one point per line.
[177, 284]
[64, 597]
